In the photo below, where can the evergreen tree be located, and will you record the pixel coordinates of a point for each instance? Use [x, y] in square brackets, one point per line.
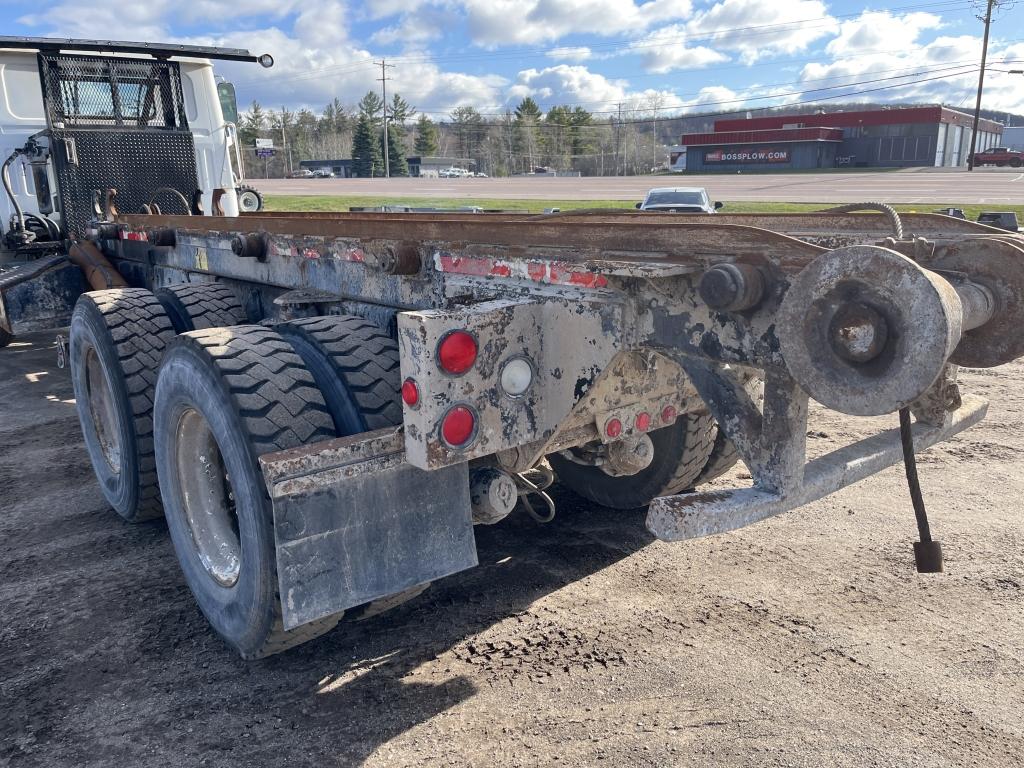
[400, 112]
[426, 137]
[366, 157]
[397, 166]
[371, 106]
[525, 140]
[582, 135]
[253, 121]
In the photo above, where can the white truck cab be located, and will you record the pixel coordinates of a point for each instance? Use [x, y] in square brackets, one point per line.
[115, 90]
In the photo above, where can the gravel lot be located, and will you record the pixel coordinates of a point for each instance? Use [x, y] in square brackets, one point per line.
[805, 641]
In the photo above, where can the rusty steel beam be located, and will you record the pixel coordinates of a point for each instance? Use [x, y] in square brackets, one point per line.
[674, 242]
[688, 516]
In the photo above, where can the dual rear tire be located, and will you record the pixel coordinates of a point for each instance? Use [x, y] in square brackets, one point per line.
[225, 397]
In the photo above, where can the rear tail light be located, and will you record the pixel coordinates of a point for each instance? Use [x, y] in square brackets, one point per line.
[410, 393]
[458, 426]
[456, 352]
[643, 421]
[668, 414]
[613, 428]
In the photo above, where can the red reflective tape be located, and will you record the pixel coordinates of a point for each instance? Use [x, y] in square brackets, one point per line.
[588, 279]
[550, 272]
[134, 236]
[466, 265]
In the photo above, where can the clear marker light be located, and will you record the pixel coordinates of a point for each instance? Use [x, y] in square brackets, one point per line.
[516, 376]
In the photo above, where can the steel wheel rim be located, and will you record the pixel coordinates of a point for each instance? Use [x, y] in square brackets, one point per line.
[100, 397]
[208, 498]
[247, 201]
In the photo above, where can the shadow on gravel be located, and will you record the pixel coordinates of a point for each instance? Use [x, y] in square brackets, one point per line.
[374, 695]
[107, 661]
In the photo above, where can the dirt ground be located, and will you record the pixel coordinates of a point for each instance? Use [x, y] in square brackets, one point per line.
[804, 641]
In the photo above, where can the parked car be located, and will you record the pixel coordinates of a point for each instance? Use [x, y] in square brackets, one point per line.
[678, 200]
[1000, 219]
[454, 173]
[323, 173]
[302, 173]
[1000, 156]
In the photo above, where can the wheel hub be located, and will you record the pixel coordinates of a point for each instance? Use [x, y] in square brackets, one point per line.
[102, 410]
[208, 498]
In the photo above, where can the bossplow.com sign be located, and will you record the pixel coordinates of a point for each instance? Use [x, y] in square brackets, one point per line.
[747, 155]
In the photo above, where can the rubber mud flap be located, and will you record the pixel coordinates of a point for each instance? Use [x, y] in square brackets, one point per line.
[353, 522]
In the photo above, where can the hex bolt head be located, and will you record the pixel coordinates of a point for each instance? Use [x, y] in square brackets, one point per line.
[250, 246]
[858, 333]
[732, 287]
[401, 259]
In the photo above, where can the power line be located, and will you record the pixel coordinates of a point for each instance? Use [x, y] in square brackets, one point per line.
[745, 98]
[909, 72]
[631, 44]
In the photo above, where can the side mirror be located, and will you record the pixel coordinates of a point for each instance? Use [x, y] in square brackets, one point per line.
[639, 206]
[719, 204]
[228, 102]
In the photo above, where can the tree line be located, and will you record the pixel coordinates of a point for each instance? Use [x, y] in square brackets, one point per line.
[521, 140]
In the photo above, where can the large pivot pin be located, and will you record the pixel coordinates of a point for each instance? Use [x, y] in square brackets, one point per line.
[865, 330]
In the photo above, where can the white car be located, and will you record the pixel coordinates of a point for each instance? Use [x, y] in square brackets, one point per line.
[678, 200]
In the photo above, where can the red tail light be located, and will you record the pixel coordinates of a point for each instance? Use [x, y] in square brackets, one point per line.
[410, 393]
[643, 421]
[613, 428]
[457, 352]
[458, 426]
[668, 414]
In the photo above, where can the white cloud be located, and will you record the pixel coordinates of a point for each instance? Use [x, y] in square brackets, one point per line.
[756, 29]
[665, 49]
[495, 23]
[947, 63]
[877, 31]
[570, 53]
[567, 84]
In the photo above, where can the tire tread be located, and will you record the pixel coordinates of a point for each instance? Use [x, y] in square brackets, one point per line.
[207, 305]
[141, 331]
[274, 374]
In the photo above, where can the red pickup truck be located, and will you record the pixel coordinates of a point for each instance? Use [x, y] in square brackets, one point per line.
[1000, 156]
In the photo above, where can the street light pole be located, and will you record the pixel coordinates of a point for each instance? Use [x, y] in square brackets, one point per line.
[981, 82]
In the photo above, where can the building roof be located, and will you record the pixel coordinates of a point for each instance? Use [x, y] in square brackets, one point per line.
[895, 116]
[772, 136]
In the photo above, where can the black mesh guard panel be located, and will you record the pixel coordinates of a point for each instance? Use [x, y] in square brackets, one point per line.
[141, 165]
[97, 91]
[117, 123]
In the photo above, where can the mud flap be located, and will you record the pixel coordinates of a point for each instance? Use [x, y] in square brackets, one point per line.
[354, 522]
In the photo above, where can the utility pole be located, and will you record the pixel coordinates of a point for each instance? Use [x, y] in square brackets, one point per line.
[384, 94]
[981, 82]
[618, 134]
[284, 143]
[654, 142]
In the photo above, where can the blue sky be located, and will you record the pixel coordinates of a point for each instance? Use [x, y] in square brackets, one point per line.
[669, 56]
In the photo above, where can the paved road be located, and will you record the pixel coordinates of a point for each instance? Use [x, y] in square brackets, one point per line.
[994, 186]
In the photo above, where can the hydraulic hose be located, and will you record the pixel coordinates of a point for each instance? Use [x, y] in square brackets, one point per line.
[5, 175]
[888, 210]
